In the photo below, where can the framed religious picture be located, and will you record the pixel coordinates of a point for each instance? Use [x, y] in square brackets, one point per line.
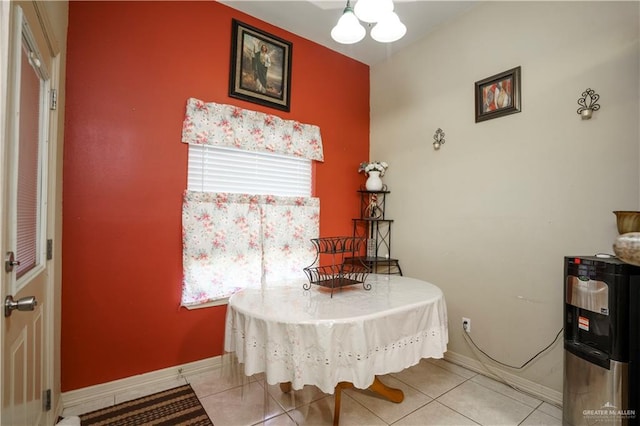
[498, 95]
[260, 67]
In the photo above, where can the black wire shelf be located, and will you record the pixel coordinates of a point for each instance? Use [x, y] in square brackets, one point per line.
[339, 272]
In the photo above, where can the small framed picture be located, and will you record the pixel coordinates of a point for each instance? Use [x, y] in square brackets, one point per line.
[260, 67]
[498, 95]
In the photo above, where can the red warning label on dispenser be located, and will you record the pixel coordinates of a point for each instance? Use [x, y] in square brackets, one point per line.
[583, 323]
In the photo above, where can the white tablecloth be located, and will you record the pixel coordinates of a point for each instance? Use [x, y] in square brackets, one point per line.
[309, 338]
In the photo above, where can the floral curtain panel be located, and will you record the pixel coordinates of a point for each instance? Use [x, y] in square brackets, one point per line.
[210, 123]
[235, 241]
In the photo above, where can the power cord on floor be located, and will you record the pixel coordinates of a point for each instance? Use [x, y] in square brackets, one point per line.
[468, 336]
[502, 379]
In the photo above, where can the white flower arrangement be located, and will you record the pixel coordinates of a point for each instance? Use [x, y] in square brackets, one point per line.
[373, 166]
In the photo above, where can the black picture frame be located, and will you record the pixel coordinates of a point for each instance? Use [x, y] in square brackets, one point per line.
[260, 69]
[498, 95]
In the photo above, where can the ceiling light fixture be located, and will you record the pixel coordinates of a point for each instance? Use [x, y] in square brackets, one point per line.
[388, 27]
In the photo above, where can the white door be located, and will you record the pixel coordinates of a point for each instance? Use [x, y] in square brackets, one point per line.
[24, 173]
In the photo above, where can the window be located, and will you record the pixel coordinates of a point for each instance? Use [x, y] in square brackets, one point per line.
[248, 219]
[220, 169]
[30, 215]
[247, 215]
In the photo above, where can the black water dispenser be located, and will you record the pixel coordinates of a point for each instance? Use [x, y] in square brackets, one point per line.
[601, 342]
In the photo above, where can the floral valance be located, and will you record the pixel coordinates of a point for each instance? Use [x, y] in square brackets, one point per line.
[209, 123]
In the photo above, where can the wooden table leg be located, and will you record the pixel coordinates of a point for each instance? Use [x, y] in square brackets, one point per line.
[336, 406]
[392, 394]
[338, 397]
[285, 387]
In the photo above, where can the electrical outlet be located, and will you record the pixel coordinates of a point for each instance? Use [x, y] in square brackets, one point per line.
[466, 324]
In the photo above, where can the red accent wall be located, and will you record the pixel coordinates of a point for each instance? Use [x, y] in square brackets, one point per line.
[131, 68]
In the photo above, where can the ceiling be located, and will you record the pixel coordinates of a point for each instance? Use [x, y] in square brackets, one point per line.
[314, 20]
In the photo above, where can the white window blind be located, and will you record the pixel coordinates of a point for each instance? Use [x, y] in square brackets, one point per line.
[221, 169]
[29, 167]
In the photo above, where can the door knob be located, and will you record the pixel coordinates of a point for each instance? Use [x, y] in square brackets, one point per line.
[23, 304]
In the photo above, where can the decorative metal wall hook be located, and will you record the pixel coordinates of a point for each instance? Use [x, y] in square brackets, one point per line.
[438, 139]
[588, 104]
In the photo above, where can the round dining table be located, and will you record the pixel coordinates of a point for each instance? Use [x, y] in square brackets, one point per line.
[299, 337]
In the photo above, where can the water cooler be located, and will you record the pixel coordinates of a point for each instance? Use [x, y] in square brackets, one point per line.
[601, 342]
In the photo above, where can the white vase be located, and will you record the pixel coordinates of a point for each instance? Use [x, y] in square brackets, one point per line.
[627, 247]
[374, 183]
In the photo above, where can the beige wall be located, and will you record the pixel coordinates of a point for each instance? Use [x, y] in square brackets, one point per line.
[489, 216]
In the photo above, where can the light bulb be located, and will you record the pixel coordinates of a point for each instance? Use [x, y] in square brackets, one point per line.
[389, 29]
[348, 29]
[373, 10]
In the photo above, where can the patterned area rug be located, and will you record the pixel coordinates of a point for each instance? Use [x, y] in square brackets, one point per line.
[177, 406]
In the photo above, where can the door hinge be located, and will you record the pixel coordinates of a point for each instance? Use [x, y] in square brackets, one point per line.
[49, 249]
[54, 100]
[46, 400]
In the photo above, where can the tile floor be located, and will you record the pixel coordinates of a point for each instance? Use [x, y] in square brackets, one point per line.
[436, 393]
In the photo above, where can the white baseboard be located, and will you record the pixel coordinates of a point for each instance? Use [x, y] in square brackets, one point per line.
[544, 393]
[156, 378]
[153, 378]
